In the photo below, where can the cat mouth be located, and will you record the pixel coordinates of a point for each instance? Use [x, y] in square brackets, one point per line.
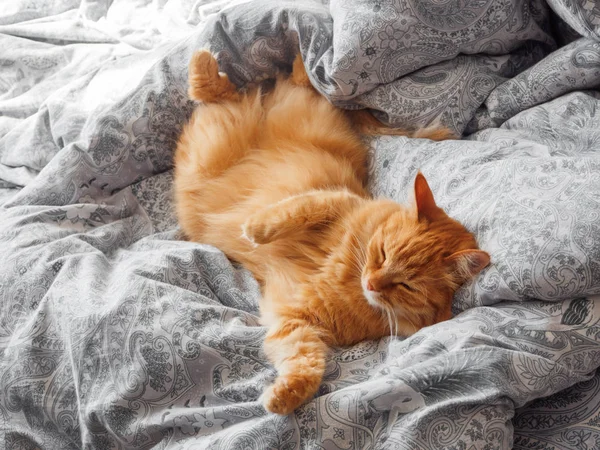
[371, 296]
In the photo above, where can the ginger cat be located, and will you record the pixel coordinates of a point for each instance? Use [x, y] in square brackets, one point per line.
[277, 181]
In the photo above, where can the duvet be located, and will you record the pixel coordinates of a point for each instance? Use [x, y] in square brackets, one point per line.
[116, 334]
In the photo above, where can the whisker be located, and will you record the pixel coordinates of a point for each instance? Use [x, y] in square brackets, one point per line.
[411, 322]
[393, 321]
[389, 317]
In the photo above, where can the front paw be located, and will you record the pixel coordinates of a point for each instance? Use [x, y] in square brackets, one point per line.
[284, 396]
[248, 236]
[256, 233]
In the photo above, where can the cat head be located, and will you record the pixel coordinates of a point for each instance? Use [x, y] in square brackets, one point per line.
[417, 259]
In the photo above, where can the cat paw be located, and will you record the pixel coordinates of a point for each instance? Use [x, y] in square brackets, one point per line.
[255, 232]
[204, 64]
[248, 237]
[206, 84]
[283, 397]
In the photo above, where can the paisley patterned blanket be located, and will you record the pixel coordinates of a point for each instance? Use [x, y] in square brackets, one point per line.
[115, 334]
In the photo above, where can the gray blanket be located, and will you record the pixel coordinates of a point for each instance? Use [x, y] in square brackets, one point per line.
[115, 334]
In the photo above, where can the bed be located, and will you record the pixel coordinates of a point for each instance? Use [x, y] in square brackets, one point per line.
[116, 334]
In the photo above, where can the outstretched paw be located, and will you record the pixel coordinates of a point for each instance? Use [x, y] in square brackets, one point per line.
[285, 396]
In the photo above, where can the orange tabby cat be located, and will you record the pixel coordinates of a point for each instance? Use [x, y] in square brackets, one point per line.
[277, 181]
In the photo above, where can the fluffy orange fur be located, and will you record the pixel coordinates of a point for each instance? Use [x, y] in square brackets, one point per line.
[276, 180]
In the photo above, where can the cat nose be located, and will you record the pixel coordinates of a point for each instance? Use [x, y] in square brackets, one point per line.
[370, 286]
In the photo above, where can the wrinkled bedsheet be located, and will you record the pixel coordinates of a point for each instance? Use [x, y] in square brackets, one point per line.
[115, 334]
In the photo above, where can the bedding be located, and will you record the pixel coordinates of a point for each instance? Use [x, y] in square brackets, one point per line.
[117, 334]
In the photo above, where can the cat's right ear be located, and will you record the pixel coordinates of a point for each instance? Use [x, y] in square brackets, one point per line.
[426, 207]
[468, 263]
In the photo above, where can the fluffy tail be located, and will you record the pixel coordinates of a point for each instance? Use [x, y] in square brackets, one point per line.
[435, 133]
[367, 124]
[206, 84]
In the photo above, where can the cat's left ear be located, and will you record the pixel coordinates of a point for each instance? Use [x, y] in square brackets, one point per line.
[426, 207]
[469, 263]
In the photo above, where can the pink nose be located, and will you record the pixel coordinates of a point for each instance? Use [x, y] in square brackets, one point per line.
[370, 286]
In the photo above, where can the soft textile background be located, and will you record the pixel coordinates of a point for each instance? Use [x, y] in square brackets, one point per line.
[114, 334]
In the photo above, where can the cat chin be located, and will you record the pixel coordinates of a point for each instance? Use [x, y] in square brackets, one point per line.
[372, 298]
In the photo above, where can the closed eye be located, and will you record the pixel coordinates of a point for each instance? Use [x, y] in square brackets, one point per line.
[407, 287]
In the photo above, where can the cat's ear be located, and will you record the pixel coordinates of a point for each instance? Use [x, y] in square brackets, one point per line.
[468, 263]
[426, 207]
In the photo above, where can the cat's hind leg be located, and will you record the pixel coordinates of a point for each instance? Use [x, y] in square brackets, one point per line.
[206, 83]
[223, 129]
